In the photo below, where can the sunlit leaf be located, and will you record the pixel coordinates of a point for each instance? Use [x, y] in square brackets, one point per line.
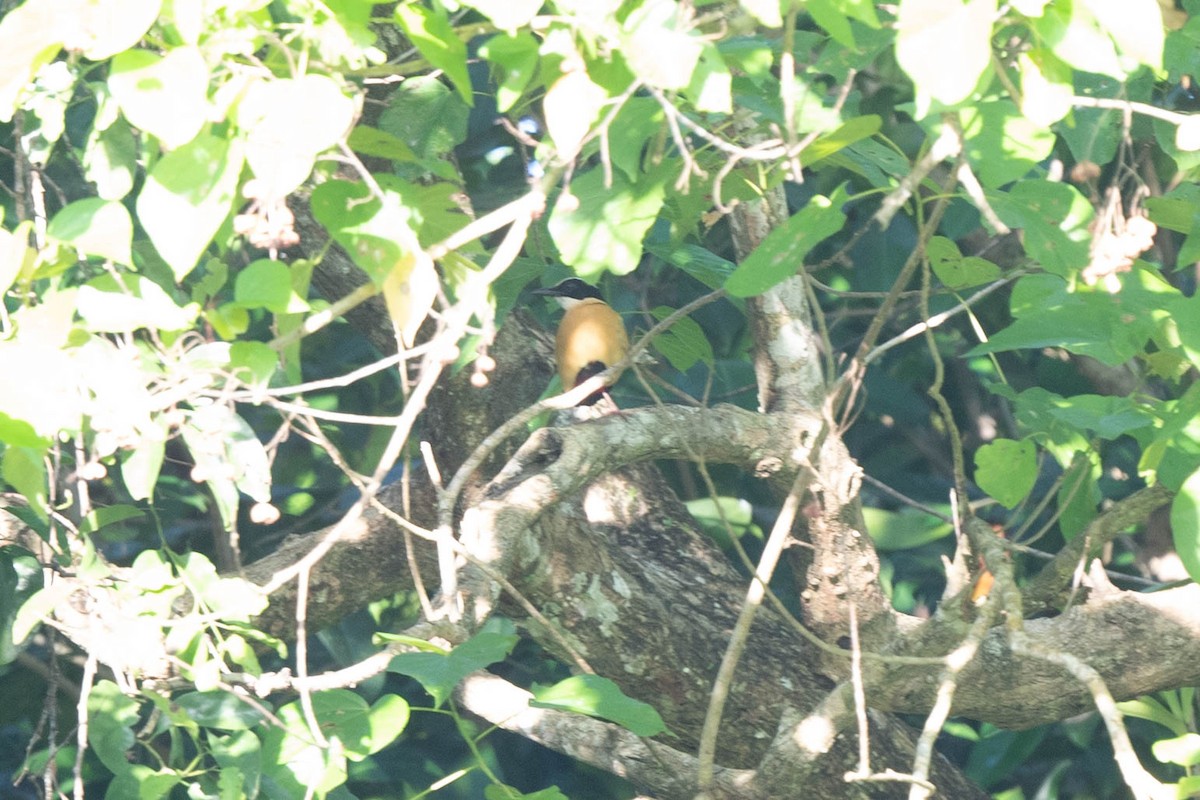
[571, 106]
[781, 254]
[605, 230]
[430, 31]
[188, 194]
[1046, 89]
[267, 283]
[711, 83]
[599, 697]
[166, 96]
[104, 28]
[31, 35]
[289, 122]
[517, 56]
[1136, 26]
[409, 291]
[945, 45]
[508, 15]
[1185, 524]
[658, 47]
[1006, 469]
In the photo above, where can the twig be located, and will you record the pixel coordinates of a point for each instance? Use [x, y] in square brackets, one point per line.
[81, 732]
[956, 661]
[780, 531]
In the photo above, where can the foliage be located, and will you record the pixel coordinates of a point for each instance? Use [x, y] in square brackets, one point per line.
[161, 326]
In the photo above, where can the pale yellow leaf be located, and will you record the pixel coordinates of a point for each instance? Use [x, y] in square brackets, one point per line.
[409, 291]
[571, 106]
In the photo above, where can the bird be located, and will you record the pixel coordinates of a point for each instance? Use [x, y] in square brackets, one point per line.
[591, 336]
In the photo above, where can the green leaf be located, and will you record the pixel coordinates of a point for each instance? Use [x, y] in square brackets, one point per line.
[219, 709]
[714, 514]
[945, 45]
[110, 160]
[781, 254]
[16, 256]
[605, 231]
[23, 469]
[508, 15]
[239, 756]
[139, 782]
[1002, 144]
[904, 529]
[267, 283]
[37, 608]
[830, 17]
[516, 54]
[365, 225]
[852, 130]
[253, 363]
[1034, 207]
[430, 31]
[684, 343]
[1185, 524]
[1078, 496]
[342, 714]
[1094, 134]
[124, 303]
[954, 270]
[439, 674]
[638, 121]
[571, 106]
[427, 116]
[703, 265]
[599, 697]
[373, 142]
[387, 719]
[111, 716]
[1173, 213]
[1150, 709]
[496, 791]
[102, 517]
[228, 456]
[1087, 322]
[188, 194]
[19, 433]
[1046, 89]
[1006, 469]
[141, 464]
[166, 96]
[1182, 750]
[95, 227]
[711, 85]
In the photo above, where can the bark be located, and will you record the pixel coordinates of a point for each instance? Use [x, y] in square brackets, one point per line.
[585, 529]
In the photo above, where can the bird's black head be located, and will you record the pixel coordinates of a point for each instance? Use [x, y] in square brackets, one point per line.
[571, 289]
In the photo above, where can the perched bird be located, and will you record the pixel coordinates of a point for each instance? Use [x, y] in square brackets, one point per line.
[591, 336]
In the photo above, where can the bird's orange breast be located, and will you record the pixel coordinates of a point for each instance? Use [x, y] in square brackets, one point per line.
[589, 332]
